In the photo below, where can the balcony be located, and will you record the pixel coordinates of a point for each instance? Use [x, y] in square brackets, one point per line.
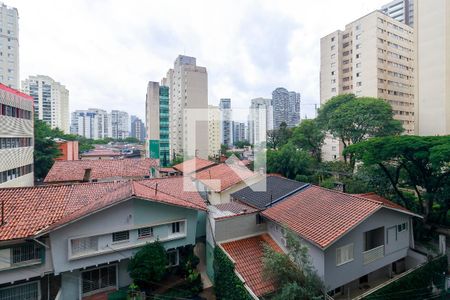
[372, 255]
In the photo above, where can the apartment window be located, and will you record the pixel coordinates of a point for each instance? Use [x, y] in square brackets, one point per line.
[29, 290]
[358, 65]
[402, 227]
[333, 47]
[344, 254]
[120, 236]
[145, 232]
[333, 56]
[333, 39]
[24, 253]
[333, 65]
[358, 36]
[176, 227]
[358, 27]
[84, 245]
[333, 81]
[358, 55]
[173, 258]
[358, 74]
[98, 279]
[359, 83]
[333, 90]
[333, 72]
[358, 46]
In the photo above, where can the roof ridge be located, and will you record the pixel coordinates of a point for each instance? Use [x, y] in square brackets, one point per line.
[347, 194]
[165, 193]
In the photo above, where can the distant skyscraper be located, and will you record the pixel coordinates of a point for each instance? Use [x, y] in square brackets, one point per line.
[239, 132]
[400, 10]
[432, 67]
[260, 120]
[286, 108]
[92, 123]
[16, 138]
[188, 89]
[120, 124]
[226, 125]
[51, 100]
[214, 123]
[138, 129]
[157, 123]
[9, 41]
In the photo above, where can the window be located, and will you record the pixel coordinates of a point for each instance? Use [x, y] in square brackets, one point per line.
[344, 254]
[25, 253]
[358, 55]
[120, 236]
[176, 227]
[333, 56]
[358, 74]
[84, 245]
[358, 65]
[145, 232]
[359, 83]
[173, 257]
[28, 290]
[332, 47]
[97, 279]
[332, 39]
[358, 36]
[401, 227]
[358, 46]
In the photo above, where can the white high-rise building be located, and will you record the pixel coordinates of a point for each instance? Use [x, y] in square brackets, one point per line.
[9, 41]
[51, 100]
[226, 124]
[401, 10]
[260, 120]
[432, 27]
[372, 57]
[120, 124]
[214, 139]
[188, 93]
[92, 123]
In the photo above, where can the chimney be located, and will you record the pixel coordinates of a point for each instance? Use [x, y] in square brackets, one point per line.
[87, 175]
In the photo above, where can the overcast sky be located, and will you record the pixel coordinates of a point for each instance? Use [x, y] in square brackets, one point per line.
[105, 51]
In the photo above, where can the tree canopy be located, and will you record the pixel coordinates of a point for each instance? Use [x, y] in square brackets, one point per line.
[309, 136]
[45, 148]
[419, 163]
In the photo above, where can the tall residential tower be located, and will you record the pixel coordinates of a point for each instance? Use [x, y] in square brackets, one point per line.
[226, 124]
[51, 100]
[9, 41]
[401, 10]
[286, 108]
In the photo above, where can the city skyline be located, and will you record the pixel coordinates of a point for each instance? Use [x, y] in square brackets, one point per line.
[84, 56]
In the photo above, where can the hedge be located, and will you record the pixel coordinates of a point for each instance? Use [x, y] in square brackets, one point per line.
[227, 285]
[415, 285]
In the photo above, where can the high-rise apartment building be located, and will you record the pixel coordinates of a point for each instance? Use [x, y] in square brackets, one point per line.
[188, 92]
[51, 100]
[401, 10]
[286, 108]
[372, 57]
[138, 129]
[157, 120]
[120, 124]
[226, 124]
[260, 120]
[432, 27]
[239, 132]
[92, 123]
[214, 123]
[16, 138]
[9, 40]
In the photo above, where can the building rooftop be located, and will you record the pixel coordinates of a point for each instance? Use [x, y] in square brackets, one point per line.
[231, 209]
[15, 92]
[70, 171]
[323, 216]
[269, 190]
[36, 210]
[247, 256]
[223, 176]
[193, 165]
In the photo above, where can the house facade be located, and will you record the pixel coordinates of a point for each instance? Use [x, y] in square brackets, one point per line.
[82, 243]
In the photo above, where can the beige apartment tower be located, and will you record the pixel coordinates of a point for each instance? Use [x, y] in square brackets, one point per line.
[9, 43]
[372, 57]
[214, 137]
[188, 94]
[432, 26]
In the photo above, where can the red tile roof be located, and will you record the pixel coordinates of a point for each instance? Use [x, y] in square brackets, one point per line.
[223, 176]
[322, 216]
[247, 255]
[193, 165]
[31, 210]
[383, 200]
[73, 171]
[16, 92]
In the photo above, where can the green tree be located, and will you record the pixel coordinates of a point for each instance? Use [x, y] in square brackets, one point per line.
[45, 148]
[242, 144]
[148, 265]
[293, 273]
[290, 162]
[278, 137]
[419, 163]
[352, 119]
[132, 140]
[309, 136]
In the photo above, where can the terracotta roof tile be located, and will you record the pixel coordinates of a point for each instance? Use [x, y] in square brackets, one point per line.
[223, 176]
[73, 171]
[247, 255]
[322, 216]
[193, 165]
[30, 210]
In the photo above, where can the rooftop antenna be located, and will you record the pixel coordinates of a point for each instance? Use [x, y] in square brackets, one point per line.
[156, 189]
